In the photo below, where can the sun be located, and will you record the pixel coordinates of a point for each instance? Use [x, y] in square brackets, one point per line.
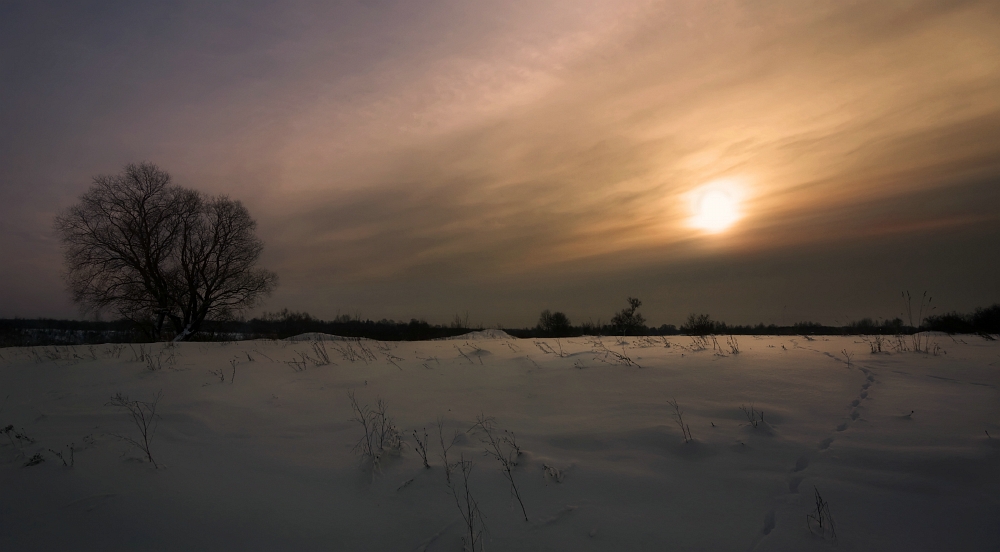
[715, 207]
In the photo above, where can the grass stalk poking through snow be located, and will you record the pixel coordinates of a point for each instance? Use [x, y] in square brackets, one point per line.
[140, 355]
[875, 342]
[615, 357]
[920, 344]
[477, 350]
[386, 351]
[62, 457]
[503, 448]
[679, 419]
[348, 353]
[422, 447]
[34, 460]
[381, 436]
[734, 345]
[755, 417]
[473, 517]
[699, 343]
[445, 449]
[461, 352]
[115, 350]
[145, 419]
[166, 356]
[17, 439]
[322, 356]
[299, 365]
[820, 522]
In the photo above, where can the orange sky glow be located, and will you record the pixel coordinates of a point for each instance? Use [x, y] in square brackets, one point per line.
[409, 161]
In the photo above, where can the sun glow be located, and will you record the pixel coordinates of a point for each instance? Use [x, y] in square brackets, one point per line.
[715, 206]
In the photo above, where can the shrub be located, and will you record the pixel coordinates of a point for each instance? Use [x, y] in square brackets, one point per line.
[145, 419]
[503, 448]
[987, 320]
[700, 324]
[983, 321]
[381, 436]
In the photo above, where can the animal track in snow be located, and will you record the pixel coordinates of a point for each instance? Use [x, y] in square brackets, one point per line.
[801, 464]
[769, 521]
[793, 484]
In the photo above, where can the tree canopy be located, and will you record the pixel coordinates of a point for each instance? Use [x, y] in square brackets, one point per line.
[153, 251]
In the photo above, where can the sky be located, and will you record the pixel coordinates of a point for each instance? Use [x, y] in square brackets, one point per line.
[492, 159]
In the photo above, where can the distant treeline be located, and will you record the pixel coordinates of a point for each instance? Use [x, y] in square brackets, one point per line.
[24, 332]
[20, 332]
[981, 321]
[284, 324]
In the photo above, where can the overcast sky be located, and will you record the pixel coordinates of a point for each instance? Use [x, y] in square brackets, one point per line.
[418, 159]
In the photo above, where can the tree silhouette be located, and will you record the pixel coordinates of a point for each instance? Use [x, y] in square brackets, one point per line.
[150, 250]
[555, 324]
[628, 321]
[700, 324]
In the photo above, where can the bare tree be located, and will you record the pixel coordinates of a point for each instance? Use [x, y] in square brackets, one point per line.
[149, 250]
[628, 321]
[556, 324]
[701, 324]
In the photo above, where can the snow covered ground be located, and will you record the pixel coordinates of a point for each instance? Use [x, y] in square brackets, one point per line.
[255, 442]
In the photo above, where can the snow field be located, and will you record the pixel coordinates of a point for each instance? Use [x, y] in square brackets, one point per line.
[263, 460]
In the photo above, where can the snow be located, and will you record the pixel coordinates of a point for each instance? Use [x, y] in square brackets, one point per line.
[489, 333]
[255, 445]
[316, 336]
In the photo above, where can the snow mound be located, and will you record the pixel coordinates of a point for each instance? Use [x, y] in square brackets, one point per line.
[482, 334]
[316, 336]
[471, 336]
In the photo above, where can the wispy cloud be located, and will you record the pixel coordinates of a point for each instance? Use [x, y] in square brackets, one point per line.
[383, 143]
[817, 110]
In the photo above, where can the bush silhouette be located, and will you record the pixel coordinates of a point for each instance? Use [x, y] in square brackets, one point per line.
[628, 321]
[700, 324]
[554, 324]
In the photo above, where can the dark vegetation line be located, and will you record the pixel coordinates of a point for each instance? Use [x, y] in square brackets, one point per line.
[23, 332]
[19, 332]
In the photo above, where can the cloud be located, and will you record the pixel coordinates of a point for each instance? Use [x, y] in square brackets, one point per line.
[387, 145]
[822, 115]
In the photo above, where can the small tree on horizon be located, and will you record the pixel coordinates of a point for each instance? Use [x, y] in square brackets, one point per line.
[628, 321]
[150, 250]
[700, 324]
[555, 324]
